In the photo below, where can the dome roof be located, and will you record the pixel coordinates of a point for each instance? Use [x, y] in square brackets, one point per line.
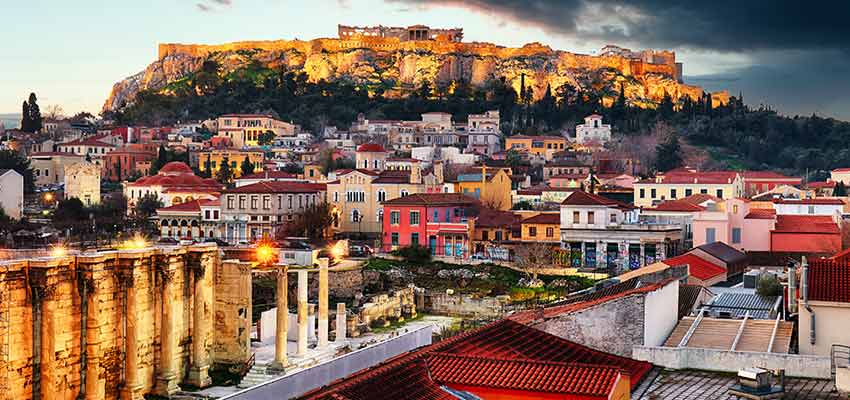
[175, 167]
[371, 148]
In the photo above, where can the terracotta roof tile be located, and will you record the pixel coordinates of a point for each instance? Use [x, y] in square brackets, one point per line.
[805, 224]
[279, 187]
[761, 213]
[697, 267]
[433, 199]
[815, 201]
[548, 218]
[371, 148]
[829, 281]
[677, 206]
[582, 198]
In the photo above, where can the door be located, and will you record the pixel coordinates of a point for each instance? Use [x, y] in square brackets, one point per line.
[432, 244]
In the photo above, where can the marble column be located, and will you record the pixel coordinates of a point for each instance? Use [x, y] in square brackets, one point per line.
[199, 372]
[601, 254]
[95, 386]
[583, 254]
[166, 381]
[132, 383]
[340, 322]
[323, 303]
[302, 313]
[642, 255]
[282, 320]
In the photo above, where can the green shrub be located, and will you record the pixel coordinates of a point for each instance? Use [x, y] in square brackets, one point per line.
[769, 286]
[414, 253]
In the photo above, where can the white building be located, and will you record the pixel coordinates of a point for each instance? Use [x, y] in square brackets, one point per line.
[593, 132]
[816, 206]
[11, 192]
[484, 133]
[82, 180]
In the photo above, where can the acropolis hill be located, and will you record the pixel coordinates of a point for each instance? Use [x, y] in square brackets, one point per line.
[399, 59]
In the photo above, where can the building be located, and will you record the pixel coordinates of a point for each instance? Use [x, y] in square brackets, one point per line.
[483, 133]
[729, 258]
[265, 176]
[371, 156]
[756, 182]
[175, 183]
[815, 206]
[193, 220]
[356, 196]
[91, 146]
[683, 183]
[438, 221]
[244, 130]
[82, 180]
[213, 159]
[840, 175]
[492, 186]
[565, 166]
[679, 212]
[259, 210]
[501, 360]
[12, 193]
[823, 302]
[127, 161]
[543, 146]
[544, 227]
[810, 234]
[413, 32]
[598, 232]
[492, 234]
[49, 168]
[593, 133]
[701, 272]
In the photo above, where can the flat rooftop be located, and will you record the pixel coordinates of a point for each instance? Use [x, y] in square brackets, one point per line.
[698, 385]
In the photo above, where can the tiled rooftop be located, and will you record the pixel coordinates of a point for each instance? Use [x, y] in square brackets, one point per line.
[702, 385]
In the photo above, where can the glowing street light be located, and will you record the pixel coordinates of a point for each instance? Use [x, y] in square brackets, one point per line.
[58, 251]
[48, 197]
[265, 253]
[134, 243]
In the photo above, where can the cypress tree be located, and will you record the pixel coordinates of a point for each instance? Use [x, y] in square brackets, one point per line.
[247, 166]
[26, 122]
[35, 114]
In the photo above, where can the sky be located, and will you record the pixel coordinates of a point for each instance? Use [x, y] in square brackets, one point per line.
[790, 55]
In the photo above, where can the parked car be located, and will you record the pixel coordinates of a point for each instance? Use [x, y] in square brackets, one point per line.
[217, 241]
[168, 240]
[357, 250]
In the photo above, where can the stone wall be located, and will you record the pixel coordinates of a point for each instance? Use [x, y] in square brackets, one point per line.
[232, 321]
[459, 305]
[613, 326]
[803, 366]
[116, 324]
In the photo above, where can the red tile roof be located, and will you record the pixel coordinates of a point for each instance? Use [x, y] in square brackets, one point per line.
[279, 187]
[677, 206]
[341, 172]
[829, 281]
[683, 176]
[269, 175]
[582, 198]
[550, 312]
[507, 345]
[176, 167]
[805, 224]
[90, 141]
[189, 206]
[544, 218]
[433, 199]
[371, 148]
[699, 198]
[818, 185]
[697, 267]
[841, 170]
[761, 213]
[490, 218]
[55, 153]
[818, 201]
[530, 375]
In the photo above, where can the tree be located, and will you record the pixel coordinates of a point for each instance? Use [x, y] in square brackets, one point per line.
[531, 257]
[160, 161]
[70, 214]
[512, 158]
[665, 108]
[266, 138]
[11, 159]
[840, 190]
[225, 174]
[34, 114]
[26, 121]
[668, 153]
[146, 206]
[54, 112]
[768, 286]
[314, 222]
[247, 167]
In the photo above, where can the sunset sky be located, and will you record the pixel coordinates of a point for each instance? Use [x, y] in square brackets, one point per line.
[783, 53]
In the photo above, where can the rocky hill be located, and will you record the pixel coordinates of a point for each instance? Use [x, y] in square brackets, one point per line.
[400, 66]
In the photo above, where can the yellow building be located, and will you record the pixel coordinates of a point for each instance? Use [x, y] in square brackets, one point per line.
[214, 158]
[244, 130]
[545, 146]
[683, 183]
[357, 196]
[543, 227]
[492, 186]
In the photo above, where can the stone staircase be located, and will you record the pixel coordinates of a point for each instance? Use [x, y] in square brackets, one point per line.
[259, 371]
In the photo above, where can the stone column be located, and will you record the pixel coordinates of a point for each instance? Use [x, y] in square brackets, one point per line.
[95, 386]
[323, 303]
[601, 254]
[661, 250]
[132, 384]
[302, 313]
[199, 372]
[583, 254]
[340, 323]
[282, 320]
[166, 382]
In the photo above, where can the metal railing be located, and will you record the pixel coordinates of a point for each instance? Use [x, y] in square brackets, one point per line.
[246, 366]
[839, 357]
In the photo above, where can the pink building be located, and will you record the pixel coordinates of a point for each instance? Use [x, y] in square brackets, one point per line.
[733, 222]
[439, 221]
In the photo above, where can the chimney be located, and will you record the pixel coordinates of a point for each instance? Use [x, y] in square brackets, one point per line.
[804, 282]
[792, 288]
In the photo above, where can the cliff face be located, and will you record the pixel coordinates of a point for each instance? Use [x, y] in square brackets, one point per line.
[398, 66]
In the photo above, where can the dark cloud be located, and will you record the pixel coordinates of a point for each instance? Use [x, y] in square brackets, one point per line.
[722, 25]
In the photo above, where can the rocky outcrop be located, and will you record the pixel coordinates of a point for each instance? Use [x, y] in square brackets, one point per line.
[398, 66]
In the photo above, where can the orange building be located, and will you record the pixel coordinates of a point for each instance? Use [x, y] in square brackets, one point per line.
[545, 146]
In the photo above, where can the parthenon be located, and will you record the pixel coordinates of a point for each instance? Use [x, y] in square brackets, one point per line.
[414, 32]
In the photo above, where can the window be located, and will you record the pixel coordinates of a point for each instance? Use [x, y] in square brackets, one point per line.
[230, 202]
[736, 235]
[710, 235]
[485, 235]
[336, 197]
[532, 231]
[703, 191]
[672, 193]
[613, 218]
[267, 202]
[414, 218]
[550, 232]
[254, 202]
[242, 201]
[576, 217]
[591, 217]
[403, 192]
[688, 192]
[720, 193]
[811, 209]
[380, 215]
[355, 216]
[395, 217]
[394, 238]
[652, 193]
[382, 196]
[734, 209]
[498, 235]
[642, 193]
[436, 216]
[215, 214]
[206, 214]
[414, 238]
